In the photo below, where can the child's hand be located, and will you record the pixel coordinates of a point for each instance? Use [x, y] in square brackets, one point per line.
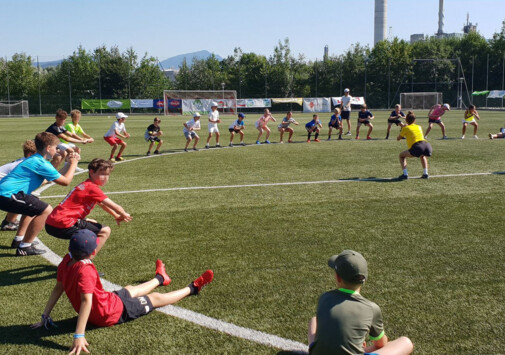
[45, 322]
[79, 345]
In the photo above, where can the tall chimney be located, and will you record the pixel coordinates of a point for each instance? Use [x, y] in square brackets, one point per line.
[380, 20]
[440, 17]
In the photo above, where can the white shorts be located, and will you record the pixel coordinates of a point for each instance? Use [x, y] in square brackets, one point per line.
[465, 121]
[213, 129]
[64, 146]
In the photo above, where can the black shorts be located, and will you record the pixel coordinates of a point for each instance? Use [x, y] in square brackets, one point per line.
[365, 122]
[421, 148]
[396, 122]
[438, 120]
[153, 139]
[334, 125]
[21, 203]
[233, 130]
[345, 115]
[133, 308]
[67, 233]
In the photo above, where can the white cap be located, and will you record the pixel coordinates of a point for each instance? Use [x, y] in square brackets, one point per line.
[214, 103]
[447, 106]
[346, 90]
[120, 115]
[196, 114]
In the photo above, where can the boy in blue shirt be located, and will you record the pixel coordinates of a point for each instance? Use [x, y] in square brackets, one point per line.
[237, 127]
[364, 117]
[335, 122]
[313, 126]
[16, 189]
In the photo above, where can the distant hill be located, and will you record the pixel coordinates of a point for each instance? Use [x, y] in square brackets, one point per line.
[45, 65]
[175, 62]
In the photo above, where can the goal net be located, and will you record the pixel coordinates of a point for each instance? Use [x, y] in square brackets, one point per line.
[187, 102]
[14, 108]
[420, 100]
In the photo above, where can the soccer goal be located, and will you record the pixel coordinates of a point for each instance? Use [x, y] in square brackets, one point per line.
[187, 102]
[420, 100]
[14, 108]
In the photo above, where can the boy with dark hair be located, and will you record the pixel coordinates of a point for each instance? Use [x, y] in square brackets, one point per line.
[16, 189]
[117, 129]
[77, 276]
[418, 146]
[335, 122]
[153, 132]
[313, 126]
[364, 117]
[237, 127]
[70, 215]
[344, 317]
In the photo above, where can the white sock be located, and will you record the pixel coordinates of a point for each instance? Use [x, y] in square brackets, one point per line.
[405, 171]
[19, 238]
[425, 171]
[24, 245]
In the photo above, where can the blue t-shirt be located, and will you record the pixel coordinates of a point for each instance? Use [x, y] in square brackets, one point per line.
[28, 176]
[335, 119]
[364, 115]
[312, 124]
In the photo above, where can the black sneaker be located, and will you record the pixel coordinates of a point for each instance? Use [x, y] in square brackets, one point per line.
[403, 177]
[31, 250]
[15, 243]
[156, 152]
[148, 153]
[185, 149]
[425, 176]
[196, 149]
[8, 226]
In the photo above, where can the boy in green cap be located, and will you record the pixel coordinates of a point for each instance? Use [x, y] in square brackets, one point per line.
[344, 317]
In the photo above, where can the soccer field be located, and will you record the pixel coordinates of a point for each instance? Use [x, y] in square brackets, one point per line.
[266, 218]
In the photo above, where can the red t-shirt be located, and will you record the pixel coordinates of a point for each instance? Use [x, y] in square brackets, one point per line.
[82, 277]
[77, 205]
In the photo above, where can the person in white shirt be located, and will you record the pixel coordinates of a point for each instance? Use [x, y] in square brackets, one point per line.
[346, 110]
[189, 131]
[117, 129]
[213, 121]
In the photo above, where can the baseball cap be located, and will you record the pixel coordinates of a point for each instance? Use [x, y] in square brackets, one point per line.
[447, 106]
[346, 90]
[120, 115]
[350, 265]
[214, 103]
[83, 241]
[196, 114]
[241, 115]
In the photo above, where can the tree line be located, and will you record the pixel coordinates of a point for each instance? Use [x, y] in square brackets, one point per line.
[379, 73]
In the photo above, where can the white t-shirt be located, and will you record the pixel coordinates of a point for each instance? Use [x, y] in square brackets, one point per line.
[286, 122]
[346, 100]
[213, 118]
[7, 168]
[116, 126]
[236, 123]
[191, 124]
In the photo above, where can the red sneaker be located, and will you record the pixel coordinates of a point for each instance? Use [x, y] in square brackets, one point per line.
[317, 140]
[290, 141]
[357, 137]
[308, 140]
[368, 138]
[160, 270]
[203, 280]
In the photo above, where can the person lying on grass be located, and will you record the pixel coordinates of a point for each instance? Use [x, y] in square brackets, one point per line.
[77, 276]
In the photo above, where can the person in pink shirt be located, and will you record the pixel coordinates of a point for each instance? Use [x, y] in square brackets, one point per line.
[435, 114]
[261, 126]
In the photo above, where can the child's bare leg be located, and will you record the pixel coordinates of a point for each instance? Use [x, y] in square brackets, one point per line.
[103, 235]
[164, 299]
[187, 142]
[209, 137]
[232, 134]
[357, 129]
[160, 143]
[282, 134]
[370, 128]
[464, 129]
[113, 150]
[400, 346]
[403, 158]
[441, 124]
[143, 289]
[268, 133]
[36, 225]
[329, 132]
[11, 217]
[196, 141]
[424, 162]
[123, 146]
[260, 133]
[291, 131]
[389, 129]
[312, 330]
[217, 137]
[475, 127]
[428, 130]
[349, 125]
[150, 146]
[241, 135]
[23, 225]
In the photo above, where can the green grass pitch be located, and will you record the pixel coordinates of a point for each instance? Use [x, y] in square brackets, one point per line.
[434, 247]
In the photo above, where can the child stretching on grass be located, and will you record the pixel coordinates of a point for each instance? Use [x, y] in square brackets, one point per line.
[470, 115]
[261, 126]
[395, 118]
[237, 127]
[117, 129]
[434, 116]
[153, 132]
[189, 131]
[70, 215]
[364, 117]
[498, 135]
[344, 317]
[78, 278]
[284, 127]
[335, 122]
[313, 126]
[418, 146]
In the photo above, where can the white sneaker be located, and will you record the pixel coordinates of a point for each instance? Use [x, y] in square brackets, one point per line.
[79, 170]
[475, 137]
[348, 133]
[463, 136]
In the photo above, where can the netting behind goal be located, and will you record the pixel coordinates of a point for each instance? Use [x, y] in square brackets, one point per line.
[14, 109]
[420, 100]
[187, 102]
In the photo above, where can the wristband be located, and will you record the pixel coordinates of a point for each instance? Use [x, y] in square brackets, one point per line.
[77, 336]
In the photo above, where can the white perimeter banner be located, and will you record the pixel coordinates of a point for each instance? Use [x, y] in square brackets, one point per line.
[203, 105]
[254, 103]
[355, 100]
[141, 103]
[316, 104]
[496, 94]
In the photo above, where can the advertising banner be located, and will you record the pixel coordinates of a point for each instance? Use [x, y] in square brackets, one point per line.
[317, 104]
[203, 105]
[105, 104]
[288, 100]
[355, 100]
[141, 103]
[254, 103]
[496, 94]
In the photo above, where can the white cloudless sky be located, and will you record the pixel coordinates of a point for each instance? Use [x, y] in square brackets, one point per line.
[53, 29]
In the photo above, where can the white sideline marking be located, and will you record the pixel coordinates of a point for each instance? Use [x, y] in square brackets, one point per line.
[277, 184]
[202, 320]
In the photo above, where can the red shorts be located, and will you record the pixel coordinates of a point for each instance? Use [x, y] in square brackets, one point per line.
[113, 140]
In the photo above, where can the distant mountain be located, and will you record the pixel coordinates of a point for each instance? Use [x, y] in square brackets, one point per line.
[175, 62]
[45, 65]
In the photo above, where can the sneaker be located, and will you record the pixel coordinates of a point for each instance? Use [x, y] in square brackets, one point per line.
[207, 146]
[290, 141]
[112, 160]
[230, 145]
[348, 133]
[242, 143]
[317, 140]
[218, 145]
[463, 136]
[156, 151]
[329, 139]
[490, 135]
[368, 138]
[15, 243]
[195, 149]
[185, 149]
[31, 250]
[200, 282]
[281, 142]
[308, 140]
[445, 137]
[119, 159]
[8, 226]
[160, 270]
[258, 142]
[148, 153]
[340, 138]
[78, 170]
[425, 176]
[387, 137]
[403, 177]
[267, 142]
[475, 137]
[357, 137]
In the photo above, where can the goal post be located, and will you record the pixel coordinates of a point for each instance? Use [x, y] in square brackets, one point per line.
[14, 108]
[187, 102]
[420, 100]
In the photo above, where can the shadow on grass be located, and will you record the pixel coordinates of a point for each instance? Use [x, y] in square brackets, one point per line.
[27, 274]
[499, 172]
[22, 334]
[292, 353]
[372, 179]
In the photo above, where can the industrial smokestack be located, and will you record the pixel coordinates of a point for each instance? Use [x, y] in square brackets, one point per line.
[440, 18]
[380, 21]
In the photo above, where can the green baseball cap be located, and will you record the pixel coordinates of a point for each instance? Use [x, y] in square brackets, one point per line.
[350, 265]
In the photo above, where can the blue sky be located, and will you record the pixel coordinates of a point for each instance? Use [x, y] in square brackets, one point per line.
[53, 29]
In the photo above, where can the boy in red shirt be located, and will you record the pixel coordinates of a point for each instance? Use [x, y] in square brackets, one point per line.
[77, 276]
[70, 215]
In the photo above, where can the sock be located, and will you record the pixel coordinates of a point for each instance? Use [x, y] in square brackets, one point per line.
[405, 172]
[118, 156]
[19, 238]
[24, 245]
[308, 138]
[194, 290]
[425, 171]
[339, 136]
[317, 135]
[160, 279]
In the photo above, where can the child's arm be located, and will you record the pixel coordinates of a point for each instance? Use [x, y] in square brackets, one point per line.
[53, 299]
[80, 342]
[116, 211]
[476, 115]
[69, 137]
[67, 173]
[371, 116]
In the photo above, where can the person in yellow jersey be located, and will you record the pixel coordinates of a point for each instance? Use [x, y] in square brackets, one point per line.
[418, 147]
[470, 115]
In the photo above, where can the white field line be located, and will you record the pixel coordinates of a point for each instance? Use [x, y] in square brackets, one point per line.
[202, 320]
[275, 184]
